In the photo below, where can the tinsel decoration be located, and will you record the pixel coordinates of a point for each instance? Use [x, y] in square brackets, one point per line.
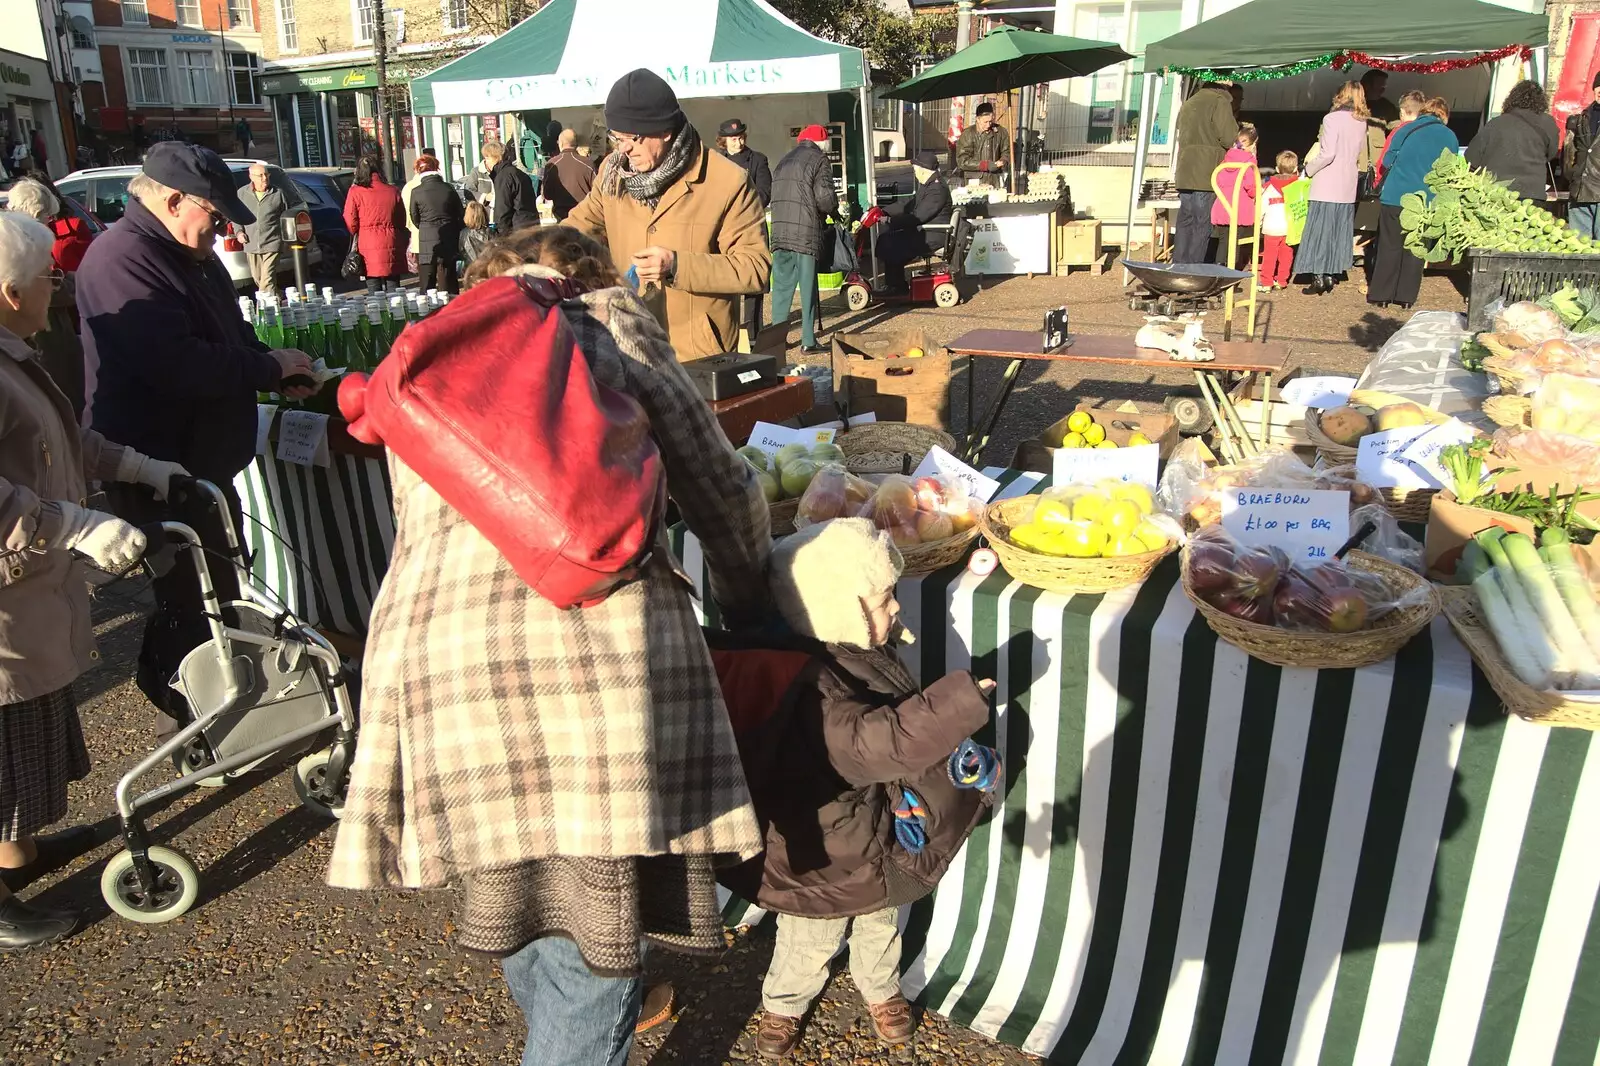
[1341, 60]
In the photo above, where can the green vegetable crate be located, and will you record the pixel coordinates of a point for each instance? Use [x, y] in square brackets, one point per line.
[1513, 276]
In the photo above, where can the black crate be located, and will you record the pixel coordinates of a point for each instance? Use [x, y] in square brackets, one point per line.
[1514, 276]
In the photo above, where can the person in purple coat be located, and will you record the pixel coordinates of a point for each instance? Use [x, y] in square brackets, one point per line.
[1327, 248]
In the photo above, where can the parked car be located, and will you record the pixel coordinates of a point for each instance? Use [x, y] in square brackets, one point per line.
[324, 190]
[105, 191]
[96, 226]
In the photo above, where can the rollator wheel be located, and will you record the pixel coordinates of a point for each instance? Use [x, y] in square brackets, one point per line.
[177, 886]
[310, 777]
[856, 297]
[946, 295]
[194, 756]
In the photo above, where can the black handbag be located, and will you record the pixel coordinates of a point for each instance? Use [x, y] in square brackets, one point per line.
[838, 254]
[354, 266]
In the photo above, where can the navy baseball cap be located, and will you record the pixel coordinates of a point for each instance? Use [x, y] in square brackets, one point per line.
[199, 172]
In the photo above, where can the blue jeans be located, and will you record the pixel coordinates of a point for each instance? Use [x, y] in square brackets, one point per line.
[574, 1017]
[1584, 218]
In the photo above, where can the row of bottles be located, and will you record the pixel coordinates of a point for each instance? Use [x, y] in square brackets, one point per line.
[351, 333]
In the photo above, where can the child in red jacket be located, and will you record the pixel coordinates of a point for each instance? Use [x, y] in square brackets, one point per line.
[865, 783]
[1277, 254]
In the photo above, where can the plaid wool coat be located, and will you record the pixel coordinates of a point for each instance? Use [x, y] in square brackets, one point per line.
[496, 729]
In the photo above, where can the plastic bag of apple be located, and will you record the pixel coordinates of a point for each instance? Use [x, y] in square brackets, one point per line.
[1261, 585]
[787, 474]
[914, 513]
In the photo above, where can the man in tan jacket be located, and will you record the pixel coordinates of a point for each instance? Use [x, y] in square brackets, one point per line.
[684, 218]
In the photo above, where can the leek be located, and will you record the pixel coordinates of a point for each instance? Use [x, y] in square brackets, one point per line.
[1574, 658]
[1509, 632]
[1556, 550]
[1521, 612]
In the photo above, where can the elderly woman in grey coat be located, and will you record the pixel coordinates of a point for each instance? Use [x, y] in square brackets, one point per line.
[47, 535]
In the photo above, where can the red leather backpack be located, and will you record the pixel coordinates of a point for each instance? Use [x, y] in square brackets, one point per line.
[493, 404]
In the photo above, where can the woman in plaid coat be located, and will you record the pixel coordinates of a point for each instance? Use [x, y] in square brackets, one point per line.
[573, 771]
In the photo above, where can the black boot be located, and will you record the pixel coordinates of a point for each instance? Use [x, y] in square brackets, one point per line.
[1315, 288]
[22, 926]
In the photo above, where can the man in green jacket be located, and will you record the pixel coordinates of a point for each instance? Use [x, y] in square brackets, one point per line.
[981, 151]
[1207, 128]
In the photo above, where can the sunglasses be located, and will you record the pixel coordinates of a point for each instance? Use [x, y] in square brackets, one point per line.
[56, 276]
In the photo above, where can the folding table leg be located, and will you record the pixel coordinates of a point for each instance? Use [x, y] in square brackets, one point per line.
[1266, 410]
[978, 439]
[1218, 422]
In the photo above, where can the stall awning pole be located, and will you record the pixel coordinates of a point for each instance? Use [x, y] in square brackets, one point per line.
[866, 140]
[1141, 153]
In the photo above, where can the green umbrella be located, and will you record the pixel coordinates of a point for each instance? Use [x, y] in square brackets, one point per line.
[1006, 59]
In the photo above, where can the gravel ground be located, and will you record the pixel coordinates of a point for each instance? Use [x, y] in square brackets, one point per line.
[1337, 333]
[271, 966]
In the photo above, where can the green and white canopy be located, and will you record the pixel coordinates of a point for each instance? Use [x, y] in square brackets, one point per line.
[572, 51]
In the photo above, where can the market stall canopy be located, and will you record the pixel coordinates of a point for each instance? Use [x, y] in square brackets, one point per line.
[572, 51]
[1272, 33]
[1007, 59]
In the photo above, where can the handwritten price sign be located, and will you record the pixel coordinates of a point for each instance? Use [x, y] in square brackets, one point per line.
[1310, 524]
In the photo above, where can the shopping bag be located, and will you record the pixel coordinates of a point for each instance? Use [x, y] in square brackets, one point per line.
[354, 266]
[838, 252]
[1296, 205]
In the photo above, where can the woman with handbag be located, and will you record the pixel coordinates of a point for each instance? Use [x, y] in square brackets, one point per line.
[377, 221]
[1414, 148]
[1517, 145]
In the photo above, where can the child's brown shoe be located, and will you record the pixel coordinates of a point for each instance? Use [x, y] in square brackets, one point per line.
[777, 1035]
[892, 1019]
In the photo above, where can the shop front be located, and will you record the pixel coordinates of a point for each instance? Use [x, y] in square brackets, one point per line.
[324, 118]
[28, 103]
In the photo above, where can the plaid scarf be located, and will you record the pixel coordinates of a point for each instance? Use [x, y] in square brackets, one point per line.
[647, 188]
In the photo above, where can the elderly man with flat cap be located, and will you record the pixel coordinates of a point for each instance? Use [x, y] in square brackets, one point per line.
[684, 218]
[173, 369]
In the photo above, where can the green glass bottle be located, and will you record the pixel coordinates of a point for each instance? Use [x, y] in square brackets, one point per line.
[342, 352]
[380, 336]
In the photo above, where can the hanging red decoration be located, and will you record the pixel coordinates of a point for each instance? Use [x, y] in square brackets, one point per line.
[1441, 66]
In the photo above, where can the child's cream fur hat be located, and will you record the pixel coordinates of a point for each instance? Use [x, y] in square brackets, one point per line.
[821, 574]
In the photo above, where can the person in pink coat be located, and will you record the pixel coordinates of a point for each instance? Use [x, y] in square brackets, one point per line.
[1328, 246]
[1238, 188]
[377, 220]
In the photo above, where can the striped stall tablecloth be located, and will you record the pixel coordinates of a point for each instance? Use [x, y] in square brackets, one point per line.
[320, 536]
[1203, 859]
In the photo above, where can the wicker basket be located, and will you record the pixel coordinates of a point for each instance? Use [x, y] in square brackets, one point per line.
[887, 447]
[782, 513]
[1408, 505]
[1520, 698]
[938, 554]
[1510, 380]
[1495, 346]
[1513, 412]
[1333, 453]
[1328, 651]
[1053, 573]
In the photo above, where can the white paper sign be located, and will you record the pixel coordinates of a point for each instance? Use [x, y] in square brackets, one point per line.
[855, 420]
[769, 438]
[303, 438]
[265, 413]
[1010, 244]
[941, 464]
[1320, 392]
[1087, 465]
[1407, 458]
[1309, 524]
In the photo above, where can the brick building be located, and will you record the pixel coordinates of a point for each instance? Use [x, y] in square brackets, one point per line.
[321, 83]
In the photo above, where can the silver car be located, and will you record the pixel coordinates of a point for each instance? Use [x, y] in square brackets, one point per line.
[104, 190]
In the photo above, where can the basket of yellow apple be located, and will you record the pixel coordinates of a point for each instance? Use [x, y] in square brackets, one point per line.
[1082, 431]
[1080, 538]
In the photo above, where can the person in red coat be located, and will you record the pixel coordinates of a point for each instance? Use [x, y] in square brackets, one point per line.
[377, 221]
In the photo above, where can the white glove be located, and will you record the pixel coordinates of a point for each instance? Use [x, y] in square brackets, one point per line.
[139, 469]
[110, 543]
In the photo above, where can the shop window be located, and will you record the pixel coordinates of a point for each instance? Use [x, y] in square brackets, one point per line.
[885, 113]
[288, 37]
[361, 18]
[242, 70]
[455, 16]
[240, 16]
[189, 13]
[196, 74]
[148, 77]
[134, 11]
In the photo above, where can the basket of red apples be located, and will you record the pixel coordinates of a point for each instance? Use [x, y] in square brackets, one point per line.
[1348, 612]
[932, 521]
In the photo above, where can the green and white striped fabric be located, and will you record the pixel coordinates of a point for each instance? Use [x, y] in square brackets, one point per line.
[1201, 858]
[572, 51]
[321, 536]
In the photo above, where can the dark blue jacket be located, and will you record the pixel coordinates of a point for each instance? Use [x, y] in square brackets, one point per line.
[179, 368]
[1413, 150]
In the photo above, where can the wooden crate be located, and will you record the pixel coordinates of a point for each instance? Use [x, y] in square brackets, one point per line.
[1120, 420]
[1077, 243]
[873, 373]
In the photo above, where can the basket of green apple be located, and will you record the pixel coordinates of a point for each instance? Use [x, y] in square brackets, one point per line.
[786, 474]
